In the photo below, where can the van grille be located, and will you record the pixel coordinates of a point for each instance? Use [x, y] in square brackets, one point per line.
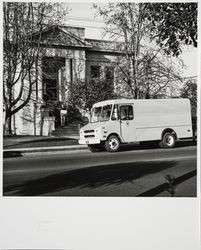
[88, 136]
[89, 131]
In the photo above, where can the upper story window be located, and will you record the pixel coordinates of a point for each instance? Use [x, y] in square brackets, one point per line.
[109, 73]
[95, 71]
[51, 65]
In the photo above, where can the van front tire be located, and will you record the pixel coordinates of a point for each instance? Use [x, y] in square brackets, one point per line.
[168, 140]
[112, 144]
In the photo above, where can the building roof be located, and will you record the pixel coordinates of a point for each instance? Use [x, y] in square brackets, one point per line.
[74, 37]
[64, 36]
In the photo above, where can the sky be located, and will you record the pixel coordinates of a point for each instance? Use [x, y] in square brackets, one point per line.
[87, 12]
[84, 15]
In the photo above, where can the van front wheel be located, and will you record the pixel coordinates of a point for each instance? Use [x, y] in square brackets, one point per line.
[168, 140]
[112, 144]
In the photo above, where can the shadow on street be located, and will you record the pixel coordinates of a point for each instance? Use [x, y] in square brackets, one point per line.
[152, 145]
[12, 153]
[90, 177]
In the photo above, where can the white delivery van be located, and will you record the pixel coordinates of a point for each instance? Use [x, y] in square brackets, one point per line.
[115, 122]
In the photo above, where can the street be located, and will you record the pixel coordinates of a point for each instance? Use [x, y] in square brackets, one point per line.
[130, 172]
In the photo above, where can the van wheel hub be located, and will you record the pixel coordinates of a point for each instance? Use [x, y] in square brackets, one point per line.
[112, 144]
[169, 140]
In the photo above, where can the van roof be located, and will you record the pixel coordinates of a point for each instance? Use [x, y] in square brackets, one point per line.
[131, 101]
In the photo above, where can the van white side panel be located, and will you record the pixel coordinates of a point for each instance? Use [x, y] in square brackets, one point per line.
[152, 117]
[112, 127]
[151, 134]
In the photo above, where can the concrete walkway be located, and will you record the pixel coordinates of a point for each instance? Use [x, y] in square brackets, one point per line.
[18, 145]
[10, 152]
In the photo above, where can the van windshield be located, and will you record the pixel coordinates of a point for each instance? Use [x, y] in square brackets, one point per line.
[105, 114]
[96, 114]
[101, 113]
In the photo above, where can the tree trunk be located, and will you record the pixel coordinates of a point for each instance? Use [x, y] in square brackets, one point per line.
[8, 126]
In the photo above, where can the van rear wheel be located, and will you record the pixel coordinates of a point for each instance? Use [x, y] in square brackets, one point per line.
[112, 144]
[168, 141]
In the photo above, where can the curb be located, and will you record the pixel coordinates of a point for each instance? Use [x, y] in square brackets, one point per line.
[20, 151]
[17, 152]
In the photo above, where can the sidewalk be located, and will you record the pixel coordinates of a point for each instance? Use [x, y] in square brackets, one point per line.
[16, 145]
[15, 142]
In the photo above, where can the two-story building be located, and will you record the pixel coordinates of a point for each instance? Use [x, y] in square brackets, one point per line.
[68, 56]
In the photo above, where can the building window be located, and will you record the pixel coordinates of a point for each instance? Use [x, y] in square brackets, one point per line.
[51, 65]
[95, 71]
[109, 74]
[71, 71]
[109, 79]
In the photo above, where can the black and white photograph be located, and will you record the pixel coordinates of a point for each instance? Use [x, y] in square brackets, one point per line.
[100, 125]
[100, 100]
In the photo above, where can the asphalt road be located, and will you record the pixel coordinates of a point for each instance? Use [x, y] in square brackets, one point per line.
[129, 172]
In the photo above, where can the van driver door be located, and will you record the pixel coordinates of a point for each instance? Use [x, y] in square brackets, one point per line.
[127, 123]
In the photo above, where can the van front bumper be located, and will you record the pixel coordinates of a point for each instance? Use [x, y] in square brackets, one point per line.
[91, 141]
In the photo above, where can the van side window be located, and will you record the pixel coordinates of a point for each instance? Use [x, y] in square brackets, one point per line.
[126, 112]
[115, 113]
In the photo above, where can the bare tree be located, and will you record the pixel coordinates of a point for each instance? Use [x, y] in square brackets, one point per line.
[142, 69]
[23, 24]
[157, 73]
[84, 94]
[189, 90]
[124, 21]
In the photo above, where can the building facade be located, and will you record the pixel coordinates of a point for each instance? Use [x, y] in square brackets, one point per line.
[68, 57]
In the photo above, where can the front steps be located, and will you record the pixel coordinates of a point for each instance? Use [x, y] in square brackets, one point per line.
[68, 130]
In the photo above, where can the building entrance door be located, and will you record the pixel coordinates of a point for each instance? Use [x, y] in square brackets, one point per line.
[50, 90]
[51, 67]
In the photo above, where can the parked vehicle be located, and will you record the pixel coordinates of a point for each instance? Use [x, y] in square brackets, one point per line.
[115, 122]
